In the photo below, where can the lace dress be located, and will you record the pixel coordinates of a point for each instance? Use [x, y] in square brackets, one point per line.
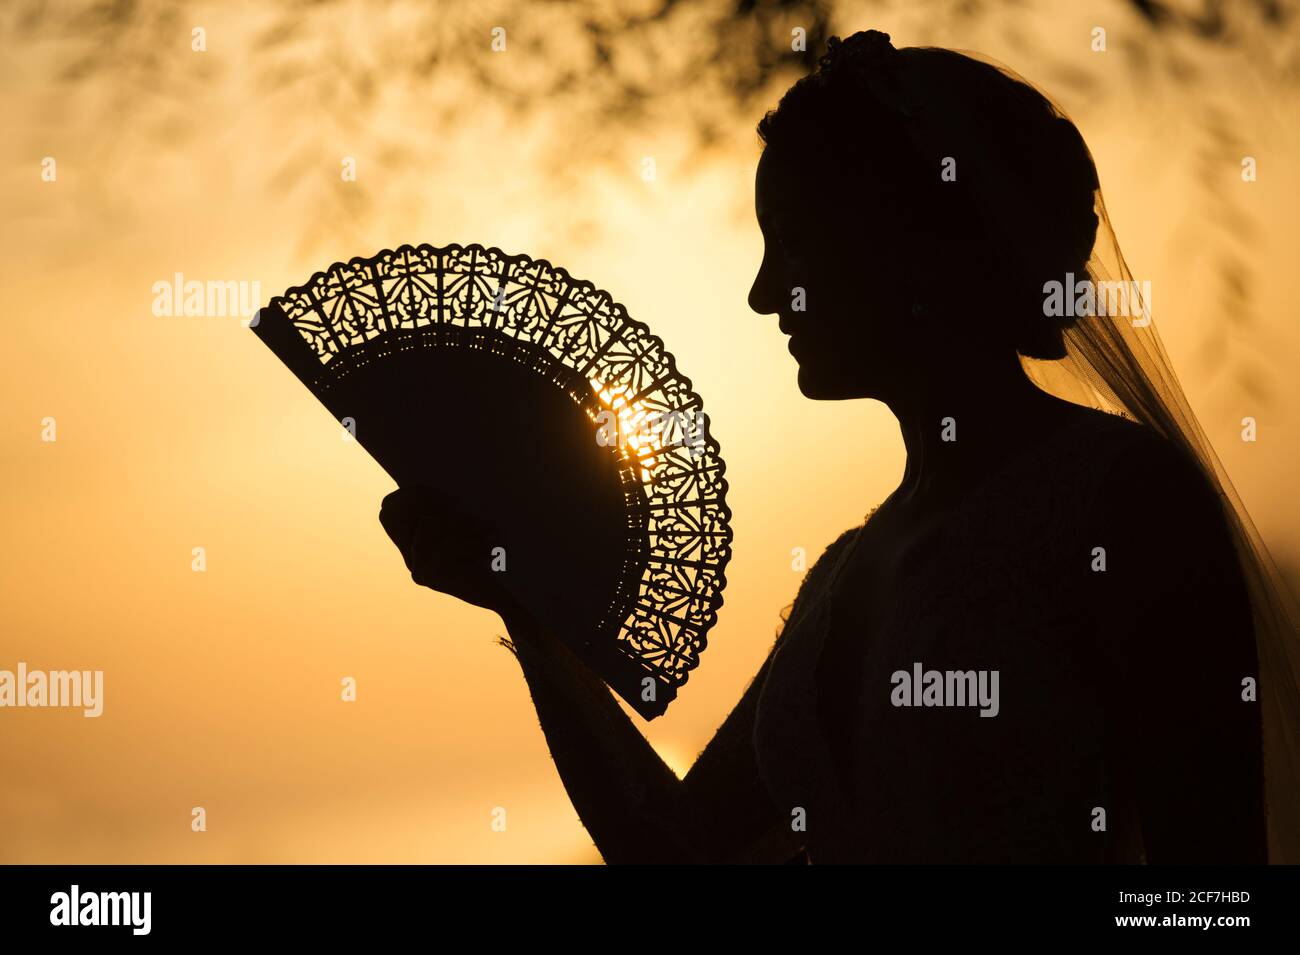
[1008, 588]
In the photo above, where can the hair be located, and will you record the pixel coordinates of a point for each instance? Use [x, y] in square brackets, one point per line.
[875, 123]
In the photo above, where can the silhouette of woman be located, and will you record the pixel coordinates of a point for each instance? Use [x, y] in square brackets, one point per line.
[1034, 649]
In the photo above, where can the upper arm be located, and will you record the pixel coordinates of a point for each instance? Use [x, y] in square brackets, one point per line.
[727, 791]
[737, 817]
[1178, 633]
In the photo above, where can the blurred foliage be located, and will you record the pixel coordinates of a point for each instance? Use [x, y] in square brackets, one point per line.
[595, 76]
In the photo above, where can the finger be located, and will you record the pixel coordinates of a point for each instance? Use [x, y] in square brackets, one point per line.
[424, 563]
[435, 561]
[423, 499]
[400, 527]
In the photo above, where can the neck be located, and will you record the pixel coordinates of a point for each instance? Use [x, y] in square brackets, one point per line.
[962, 424]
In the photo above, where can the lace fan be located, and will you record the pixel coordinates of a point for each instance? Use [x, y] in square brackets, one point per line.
[534, 398]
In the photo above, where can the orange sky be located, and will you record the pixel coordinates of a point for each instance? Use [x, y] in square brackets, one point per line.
[222, 687]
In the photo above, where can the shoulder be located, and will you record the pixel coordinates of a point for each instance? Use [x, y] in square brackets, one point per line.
[1143, 474]
[842, 541]
[1162, 513]
[820, 570]
[1130, 469]
[834, 550]
[1108, 437]
[821, 567]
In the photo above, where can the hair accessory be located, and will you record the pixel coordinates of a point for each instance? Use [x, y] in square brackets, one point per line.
[870, 60]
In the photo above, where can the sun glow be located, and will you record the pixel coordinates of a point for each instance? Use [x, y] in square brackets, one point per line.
[638, 429]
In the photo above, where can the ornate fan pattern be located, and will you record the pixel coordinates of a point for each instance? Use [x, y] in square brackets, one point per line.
[529, 311]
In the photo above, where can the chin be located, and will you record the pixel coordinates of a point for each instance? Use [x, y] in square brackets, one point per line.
[816, 386]
[823, 384]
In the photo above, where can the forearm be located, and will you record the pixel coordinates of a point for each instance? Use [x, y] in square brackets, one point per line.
[632, 804]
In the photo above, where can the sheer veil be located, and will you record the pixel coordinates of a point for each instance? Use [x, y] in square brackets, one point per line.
[1116, 362]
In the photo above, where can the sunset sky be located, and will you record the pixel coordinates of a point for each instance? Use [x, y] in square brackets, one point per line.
[222, 688]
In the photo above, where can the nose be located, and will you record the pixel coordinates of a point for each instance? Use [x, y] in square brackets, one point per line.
[761, 299]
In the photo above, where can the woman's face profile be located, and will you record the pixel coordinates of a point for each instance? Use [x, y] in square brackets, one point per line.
[848, 327]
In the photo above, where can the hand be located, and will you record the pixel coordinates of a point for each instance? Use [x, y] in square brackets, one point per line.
[447, 549]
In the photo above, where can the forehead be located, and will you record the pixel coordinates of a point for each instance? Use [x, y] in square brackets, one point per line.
[787, 190]
[774, 188]
[794, 185]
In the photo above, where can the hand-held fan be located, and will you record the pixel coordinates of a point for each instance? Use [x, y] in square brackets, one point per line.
[534, 398]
